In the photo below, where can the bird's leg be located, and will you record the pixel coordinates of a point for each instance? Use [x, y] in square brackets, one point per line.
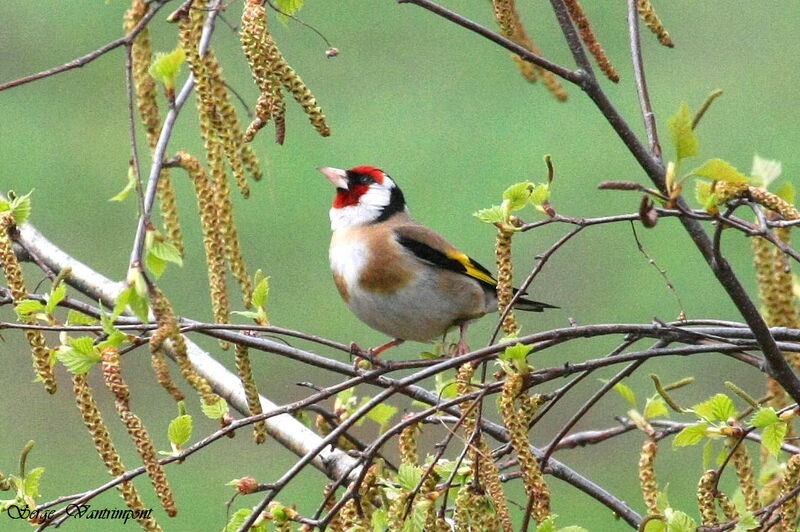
[372, 354]
[462, 348]
[375, 351]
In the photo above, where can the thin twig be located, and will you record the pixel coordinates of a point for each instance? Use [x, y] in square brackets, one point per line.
[641, 82]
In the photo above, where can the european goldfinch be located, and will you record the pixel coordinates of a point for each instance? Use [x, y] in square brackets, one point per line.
[396, 275]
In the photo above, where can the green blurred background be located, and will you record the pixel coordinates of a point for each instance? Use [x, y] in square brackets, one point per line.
[448, 116]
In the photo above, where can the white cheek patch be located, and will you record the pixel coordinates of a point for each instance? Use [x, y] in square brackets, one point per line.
[347, 261]
[368, 208]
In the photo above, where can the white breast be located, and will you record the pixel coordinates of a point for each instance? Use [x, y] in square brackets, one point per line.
[347, 259]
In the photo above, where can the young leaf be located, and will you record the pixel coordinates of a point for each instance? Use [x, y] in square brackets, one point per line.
[627, 393]
[155, 264]
[772, 437]
[720, 170]
[718, 408]
[765, 171]
[21, 208]
[26, 307]
[238, 519]
[704, 196]
[408, 476]
[786, 192]
[747, 521]
[518, 195]
[540, 194]
[516, 352]
[691, 435]
[381, 414]
[683, 137]
[166, 251]
[288, 7]
[246, 313]
[31, 484]
[492, 215]
[56, 296]
[655, 407]
[77, 358]
[260, 293]
[678, 521]
[548, 525]
[655, 525]
[167, 66]
[708, 453]
[764, 416]
[130, 186]
[180, 430]
[215, 410]
[79, 318]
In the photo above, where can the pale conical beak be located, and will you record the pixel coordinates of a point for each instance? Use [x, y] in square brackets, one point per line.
[336, 176]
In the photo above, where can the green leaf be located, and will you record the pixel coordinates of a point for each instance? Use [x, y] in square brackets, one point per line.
[708, 453]
[80, 356]
[445, 388]
[167, 66]
[381, 414]
[691, 435]
[764, 171]
[115, 339]
[31, 484]
[492, 215]
[516, 352]
[238, 519]
[288, 7]
[129, 187]
[518, 195]
[704, 196]
[246, 313]
[655, 525]
[408, 476]
[540, 194]
[763, 417]
[548, 525]
[26, 307]
[747, 521]
[139, 303]
[772, 437]
[572, 528]
[655, 407]
[155, 265]
[786, 192]
[718, 408]
[215, 410]
[166, 251]
[678, 521]
[683, 137]
[260, 293]
[380, 520]
[720, 170]
[626, 392]
[180, 430]
[56, 296]
[75, 317]
[662, 499]
[21, 208]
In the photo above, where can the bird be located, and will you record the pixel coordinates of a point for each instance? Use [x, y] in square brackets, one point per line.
[396, 275]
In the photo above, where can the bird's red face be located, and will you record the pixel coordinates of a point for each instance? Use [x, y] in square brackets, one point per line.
[359, 181]
[364, 194]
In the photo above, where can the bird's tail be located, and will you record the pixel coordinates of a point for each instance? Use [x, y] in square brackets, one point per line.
[530, 305]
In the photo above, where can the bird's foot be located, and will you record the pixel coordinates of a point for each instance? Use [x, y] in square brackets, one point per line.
[462, 348]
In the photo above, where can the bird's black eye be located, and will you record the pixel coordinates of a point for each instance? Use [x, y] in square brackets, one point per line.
[360, 179]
